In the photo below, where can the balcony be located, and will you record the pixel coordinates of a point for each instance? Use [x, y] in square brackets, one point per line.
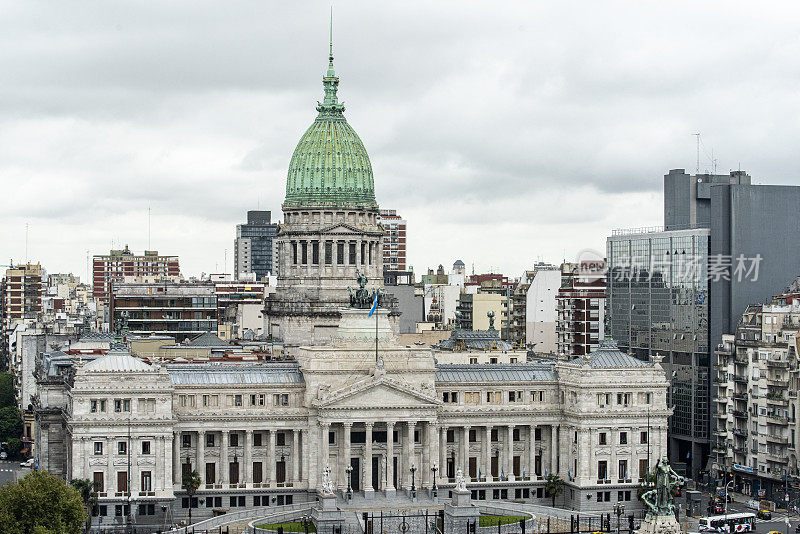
[778, 364]
[778, 383]
[783, 440]
[739, 432]
[740, 414]
[740, 396]
[777, 400]
[775, 420]
[740, 379]
[781, 458]
[740, 450]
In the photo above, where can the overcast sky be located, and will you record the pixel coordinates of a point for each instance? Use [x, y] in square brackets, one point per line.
[504, 132]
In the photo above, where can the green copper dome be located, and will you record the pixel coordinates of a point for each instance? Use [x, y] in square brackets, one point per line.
[330, 166]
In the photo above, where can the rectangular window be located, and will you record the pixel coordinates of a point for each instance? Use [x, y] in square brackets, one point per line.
[93, 406]
[98, 448]
[122, 447]
[98, 480]
[102, 405]
[211, 473]
[294, 253]
[315, 253]
[352, 254]
[363, 253]
[145, 447]
[122, 481]
[234, 473]
[209, 440]
[304, 251]
[237, 400]
[642, 468]
[280, 439]
[281, 399]
[643, 437]
[328, 253]
[257, 476]
[623, 438]
[186, 440]
[233, 439]
[602, 470]
[602, 439]
[146, 481]
[622, 472]
[340, 253]
[257, 439]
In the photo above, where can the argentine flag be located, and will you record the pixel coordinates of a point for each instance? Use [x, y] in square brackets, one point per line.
[374, 304]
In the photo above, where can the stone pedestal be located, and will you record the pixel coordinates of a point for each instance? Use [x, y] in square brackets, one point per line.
[326, 514]
[659, 524]
[459, 512]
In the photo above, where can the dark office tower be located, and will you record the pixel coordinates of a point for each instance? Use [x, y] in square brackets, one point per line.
[253, 248]
[674, 292]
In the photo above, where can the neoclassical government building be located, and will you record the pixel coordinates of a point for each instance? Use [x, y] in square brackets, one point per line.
[384, 417]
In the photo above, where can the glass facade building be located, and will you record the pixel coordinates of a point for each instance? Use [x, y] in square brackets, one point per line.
[658, 306]
[254, 247]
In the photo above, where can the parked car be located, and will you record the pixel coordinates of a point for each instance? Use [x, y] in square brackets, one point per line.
[764, 514]
[3, 455]
[27, 463]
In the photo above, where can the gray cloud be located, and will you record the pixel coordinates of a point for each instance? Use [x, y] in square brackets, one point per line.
[504, 133]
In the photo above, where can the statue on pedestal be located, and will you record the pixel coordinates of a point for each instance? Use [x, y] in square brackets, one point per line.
[461, 482]
[659, 500]
[327, 487]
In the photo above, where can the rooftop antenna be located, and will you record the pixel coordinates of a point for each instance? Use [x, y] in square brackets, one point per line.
[697, 168]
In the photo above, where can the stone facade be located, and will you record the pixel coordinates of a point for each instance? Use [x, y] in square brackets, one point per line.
[262, 434]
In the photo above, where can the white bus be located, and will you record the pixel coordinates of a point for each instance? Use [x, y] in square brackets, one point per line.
[728, 523]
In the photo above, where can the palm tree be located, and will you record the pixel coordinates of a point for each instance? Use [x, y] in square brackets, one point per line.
[191, 481]
[88, 496]
[553, 487]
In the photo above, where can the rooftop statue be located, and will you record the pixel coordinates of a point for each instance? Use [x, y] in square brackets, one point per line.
[659, 500]
[490, 315]
[327, 487]
[362, 298]
[461, 482]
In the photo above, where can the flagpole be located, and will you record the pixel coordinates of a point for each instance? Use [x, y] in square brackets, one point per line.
[376, 329]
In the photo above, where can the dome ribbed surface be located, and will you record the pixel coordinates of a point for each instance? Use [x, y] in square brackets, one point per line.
[330, 167]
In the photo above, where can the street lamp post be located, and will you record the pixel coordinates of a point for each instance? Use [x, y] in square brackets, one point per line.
[619, 509]
[726, 500]
[434, 469]
[349, 471]
[413, 485]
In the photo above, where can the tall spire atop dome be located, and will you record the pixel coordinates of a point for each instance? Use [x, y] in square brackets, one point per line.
[330, 105]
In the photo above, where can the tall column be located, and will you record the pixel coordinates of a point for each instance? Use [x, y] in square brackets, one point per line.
[425, 469]
[442, 454]
[201, 456]
[465, 452]
[176, 459]
[510, 453]
[432, 434]
[111, 475]
[487, 453]
[160, 472]
[305, 454]
[344, 457]
[324, 449]
[532, 452]
[248, 458]
[273, 478]
[295, 456]
[368, 458]
[225, 465]
[411, 459]
[553, 449]
[86, 450]
[390, 456]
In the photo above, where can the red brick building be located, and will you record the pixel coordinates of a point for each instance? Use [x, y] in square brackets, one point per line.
[113, 268]
[394, 242]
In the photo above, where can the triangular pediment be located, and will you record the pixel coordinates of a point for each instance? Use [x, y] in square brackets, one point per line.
[379, 391]
[341, 228]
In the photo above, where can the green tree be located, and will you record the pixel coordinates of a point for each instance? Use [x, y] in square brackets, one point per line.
[191, 481]
[553, 487]
[10, 423]
[7, 390]
[14, 447]
[88, 495]
[41, 503]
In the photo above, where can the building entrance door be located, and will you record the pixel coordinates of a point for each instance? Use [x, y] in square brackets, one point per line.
[376, 473]
[355, 474]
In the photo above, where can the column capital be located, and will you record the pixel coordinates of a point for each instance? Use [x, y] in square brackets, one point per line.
[201, 432]
[347, 424]
[322, 424]
[369, 424]
[249, 432]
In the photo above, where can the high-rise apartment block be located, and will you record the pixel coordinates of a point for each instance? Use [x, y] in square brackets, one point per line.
[183, 310]
[22, 293]
[394, 241]
[581, 306]
[109, 270]
[254, 248]
[756, 382]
